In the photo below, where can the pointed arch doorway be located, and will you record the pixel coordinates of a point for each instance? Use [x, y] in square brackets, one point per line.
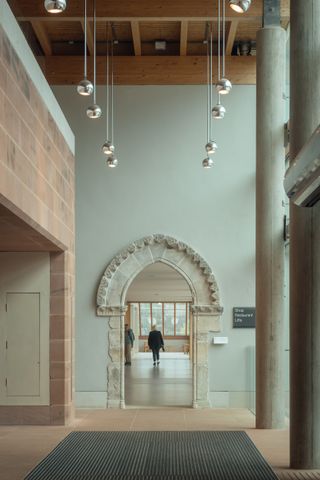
[159, 296]
[206, 308]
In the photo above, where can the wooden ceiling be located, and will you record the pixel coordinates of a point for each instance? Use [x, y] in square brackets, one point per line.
[136, 26]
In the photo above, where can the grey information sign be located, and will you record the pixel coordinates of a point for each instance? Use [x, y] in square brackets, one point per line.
[244, 317]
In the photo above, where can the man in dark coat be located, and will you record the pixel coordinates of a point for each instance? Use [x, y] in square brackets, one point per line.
[128, 343]
[155, 342]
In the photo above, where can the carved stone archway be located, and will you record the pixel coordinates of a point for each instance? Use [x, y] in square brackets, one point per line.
[206, 307]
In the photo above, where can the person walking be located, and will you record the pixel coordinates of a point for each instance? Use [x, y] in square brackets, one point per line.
[128, 343]
[155, 342]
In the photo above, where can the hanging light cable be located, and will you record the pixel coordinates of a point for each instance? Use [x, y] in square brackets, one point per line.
[224, 85]
[219, 110]
[85, 87]
[112, 161]
[94, 111]
[108, 147]
[211, 145]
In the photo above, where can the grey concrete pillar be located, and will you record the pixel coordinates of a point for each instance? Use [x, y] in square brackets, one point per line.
[270, 399]
[304, 243]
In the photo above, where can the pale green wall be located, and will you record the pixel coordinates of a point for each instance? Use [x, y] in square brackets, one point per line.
[161, 187]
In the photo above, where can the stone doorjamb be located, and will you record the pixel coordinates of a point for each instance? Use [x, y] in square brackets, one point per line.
[206, 307]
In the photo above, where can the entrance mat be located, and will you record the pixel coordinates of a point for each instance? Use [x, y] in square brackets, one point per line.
[154, 455]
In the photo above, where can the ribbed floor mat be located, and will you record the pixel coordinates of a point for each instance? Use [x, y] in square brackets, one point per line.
[154, 455]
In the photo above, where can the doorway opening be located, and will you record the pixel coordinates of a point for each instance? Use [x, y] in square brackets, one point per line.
[159, 296]
[111, 303]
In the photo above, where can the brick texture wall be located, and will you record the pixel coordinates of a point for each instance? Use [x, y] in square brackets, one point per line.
[37, 185]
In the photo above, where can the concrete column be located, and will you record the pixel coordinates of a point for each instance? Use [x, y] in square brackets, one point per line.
[270, 400]
[304, 244]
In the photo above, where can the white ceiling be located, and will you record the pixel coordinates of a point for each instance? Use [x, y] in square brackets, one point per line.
[159, 282]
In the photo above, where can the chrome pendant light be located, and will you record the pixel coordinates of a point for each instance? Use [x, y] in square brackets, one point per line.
[223, 85]
[85, 87]
[240, 6]
[211, 145]
[112, 161]
[94, 111]
[218, 111]
[108, 147]
[55, 6]
[207, 162]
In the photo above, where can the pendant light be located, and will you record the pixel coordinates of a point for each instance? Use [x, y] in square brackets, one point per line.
[223, 85]
[207, 162]
[218, 111]
[94, 111]
[55, 6]
[107, 147]
[85, 87]
[211, 145]
[240, 6]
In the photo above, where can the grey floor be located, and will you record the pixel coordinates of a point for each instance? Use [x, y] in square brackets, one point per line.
[167, 384]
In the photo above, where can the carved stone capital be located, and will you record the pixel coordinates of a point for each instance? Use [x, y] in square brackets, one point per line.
[111, 311]
[214, 310]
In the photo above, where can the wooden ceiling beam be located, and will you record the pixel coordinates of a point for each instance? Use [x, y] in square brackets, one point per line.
[148, 70]
[144, 8]
[231, 36]
[42, 36]
[117, 19]
[183, 37]
[135, 29]
[89, 35]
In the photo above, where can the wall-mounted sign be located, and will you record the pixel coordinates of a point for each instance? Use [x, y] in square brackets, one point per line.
[244, 317]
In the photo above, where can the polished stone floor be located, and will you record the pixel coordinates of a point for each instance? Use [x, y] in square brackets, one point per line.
[22, 447]
[166, 384]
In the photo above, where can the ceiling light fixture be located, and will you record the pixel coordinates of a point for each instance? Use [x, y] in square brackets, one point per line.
[211, 145]
[112, 161]
[108, 146]
[223, 85]
[218, 111]
[94, 111]
[207, 162]
[85, 87]
[240, 6]
[55, 6]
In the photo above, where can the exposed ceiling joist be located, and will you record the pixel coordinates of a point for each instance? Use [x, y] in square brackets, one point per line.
[135, 29]
[89, 36]
[231, 36]
[42, 36]
[148, 70]
[183, 38]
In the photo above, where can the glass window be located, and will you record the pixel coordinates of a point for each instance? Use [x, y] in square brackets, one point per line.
[181, 318]
[157, 315]
[145, 318]
[168, 319]
[173, 319]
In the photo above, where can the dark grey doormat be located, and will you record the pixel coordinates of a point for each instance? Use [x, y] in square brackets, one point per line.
[154, 455]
